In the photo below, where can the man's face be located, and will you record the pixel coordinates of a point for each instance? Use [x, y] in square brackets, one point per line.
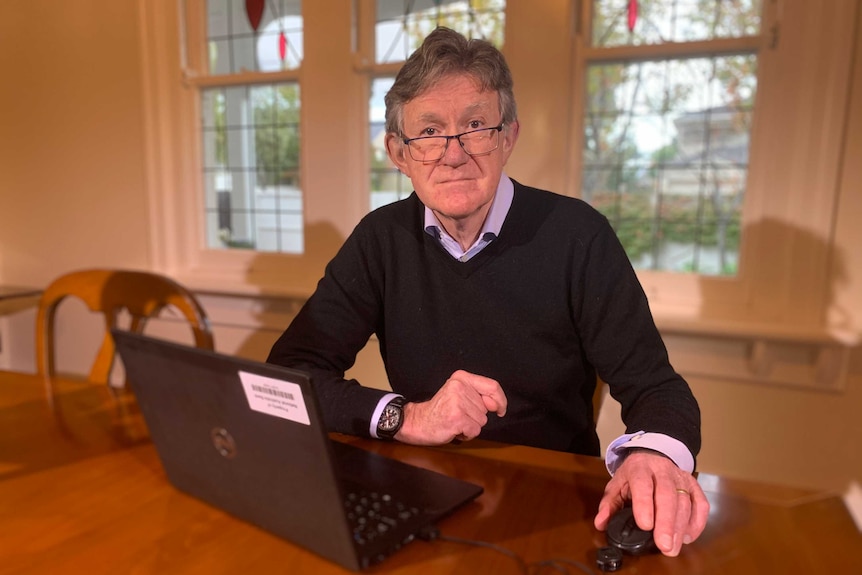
[457, 186]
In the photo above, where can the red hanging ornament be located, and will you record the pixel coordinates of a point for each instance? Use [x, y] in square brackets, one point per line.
[282, 45]
[633, 14]
[254, 11]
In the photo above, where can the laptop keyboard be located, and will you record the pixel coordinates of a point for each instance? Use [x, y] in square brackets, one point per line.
[373, 515]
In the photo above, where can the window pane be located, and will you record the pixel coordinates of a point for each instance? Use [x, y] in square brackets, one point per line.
[403, 24]
[666, 157]
[657, 21]
[387, 183]
[251, 142]
[235, 45]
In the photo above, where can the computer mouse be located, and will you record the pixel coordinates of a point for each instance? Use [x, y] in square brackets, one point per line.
[624, 534]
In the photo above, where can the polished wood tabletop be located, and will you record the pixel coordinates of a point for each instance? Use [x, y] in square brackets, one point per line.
[82, 491]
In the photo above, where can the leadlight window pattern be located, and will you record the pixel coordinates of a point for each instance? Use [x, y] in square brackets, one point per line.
[255, 36]
[251, 141]
[400, 27]
[666, 141]
[660, 21]
[250, 130]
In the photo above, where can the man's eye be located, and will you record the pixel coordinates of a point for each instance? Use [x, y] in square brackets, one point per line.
[429, 132]
[475, 125]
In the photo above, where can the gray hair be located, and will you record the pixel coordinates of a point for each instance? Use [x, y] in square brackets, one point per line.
[445, 52]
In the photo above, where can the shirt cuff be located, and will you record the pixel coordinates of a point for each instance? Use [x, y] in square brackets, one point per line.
[375, 417]
[673, 449]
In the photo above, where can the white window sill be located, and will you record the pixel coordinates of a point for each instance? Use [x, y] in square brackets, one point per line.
[807, 357]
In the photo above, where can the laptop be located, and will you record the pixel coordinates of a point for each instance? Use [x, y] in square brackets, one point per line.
[249, 438]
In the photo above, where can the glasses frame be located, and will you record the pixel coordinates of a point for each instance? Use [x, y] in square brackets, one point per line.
[407, 141]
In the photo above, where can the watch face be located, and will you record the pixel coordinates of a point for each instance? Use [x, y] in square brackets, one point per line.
[390, 419]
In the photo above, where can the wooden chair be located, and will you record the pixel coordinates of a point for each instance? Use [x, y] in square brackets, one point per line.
[142, 294]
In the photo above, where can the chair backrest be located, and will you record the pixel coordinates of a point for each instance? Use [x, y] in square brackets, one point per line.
[141, 294]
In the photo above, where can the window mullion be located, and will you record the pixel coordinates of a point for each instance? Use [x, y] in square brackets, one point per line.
[245, 79]
[722, 46]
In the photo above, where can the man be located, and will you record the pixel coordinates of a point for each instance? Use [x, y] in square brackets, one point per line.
[496, 305]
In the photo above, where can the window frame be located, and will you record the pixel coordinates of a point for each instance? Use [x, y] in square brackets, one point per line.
[175, 187]
[770, 289]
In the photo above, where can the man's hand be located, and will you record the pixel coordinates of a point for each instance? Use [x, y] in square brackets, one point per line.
[457, 411]
[664, 498]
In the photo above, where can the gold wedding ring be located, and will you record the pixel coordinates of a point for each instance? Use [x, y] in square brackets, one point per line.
[682, 491]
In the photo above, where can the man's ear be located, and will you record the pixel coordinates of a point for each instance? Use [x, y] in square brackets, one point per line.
[396, 151]
[510, 136]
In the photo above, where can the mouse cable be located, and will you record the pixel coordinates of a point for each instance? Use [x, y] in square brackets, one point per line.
[432, 534]
[555, 564]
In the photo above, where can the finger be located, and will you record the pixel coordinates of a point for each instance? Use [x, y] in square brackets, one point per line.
[490, 391]
[644, 504]
[680, 526]
[699, 514]
[469, 430]
[611, 502]
[492, 404]
[667, 506]
[467, 401]
[473, 415]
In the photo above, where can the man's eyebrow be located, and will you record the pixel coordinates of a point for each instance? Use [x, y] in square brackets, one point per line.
[474, 108]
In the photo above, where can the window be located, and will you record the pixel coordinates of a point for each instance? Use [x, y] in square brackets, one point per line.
[251, 167]
[400, 26]
[726, 206]
[250, 126]
[669, 90]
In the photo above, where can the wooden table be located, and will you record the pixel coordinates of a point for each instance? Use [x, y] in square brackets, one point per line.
[82, 491]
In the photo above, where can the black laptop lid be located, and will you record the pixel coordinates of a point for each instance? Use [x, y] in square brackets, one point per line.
[243, 436]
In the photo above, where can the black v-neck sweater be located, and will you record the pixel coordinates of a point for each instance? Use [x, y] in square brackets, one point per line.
[543, 309]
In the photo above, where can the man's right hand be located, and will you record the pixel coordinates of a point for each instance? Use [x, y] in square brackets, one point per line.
[457, 411]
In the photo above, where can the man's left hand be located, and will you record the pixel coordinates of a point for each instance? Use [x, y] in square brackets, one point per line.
[665, 499]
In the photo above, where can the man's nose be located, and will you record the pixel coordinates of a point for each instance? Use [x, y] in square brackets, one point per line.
[455, 154]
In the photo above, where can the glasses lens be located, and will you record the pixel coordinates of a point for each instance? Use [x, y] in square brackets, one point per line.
[475, 143]
[480, 141]
[427, 149]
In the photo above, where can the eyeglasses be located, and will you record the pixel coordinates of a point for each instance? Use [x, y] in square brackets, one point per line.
[474, 142]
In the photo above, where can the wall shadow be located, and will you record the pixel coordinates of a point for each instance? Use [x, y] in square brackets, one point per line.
[780, 406]
[810, 294]
[270, 271]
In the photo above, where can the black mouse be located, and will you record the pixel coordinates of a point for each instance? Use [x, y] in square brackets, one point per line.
[624, 534]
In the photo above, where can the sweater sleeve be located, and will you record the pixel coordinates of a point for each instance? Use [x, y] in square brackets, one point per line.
[622, 342]
[330, 329]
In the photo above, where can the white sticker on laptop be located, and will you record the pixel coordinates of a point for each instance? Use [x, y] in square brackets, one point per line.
[274, 397]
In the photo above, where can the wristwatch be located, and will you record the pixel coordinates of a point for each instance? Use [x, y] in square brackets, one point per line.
[391, 419]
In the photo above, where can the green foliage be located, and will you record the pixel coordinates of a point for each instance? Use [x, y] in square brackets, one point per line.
[643, 225]
[276, 134]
